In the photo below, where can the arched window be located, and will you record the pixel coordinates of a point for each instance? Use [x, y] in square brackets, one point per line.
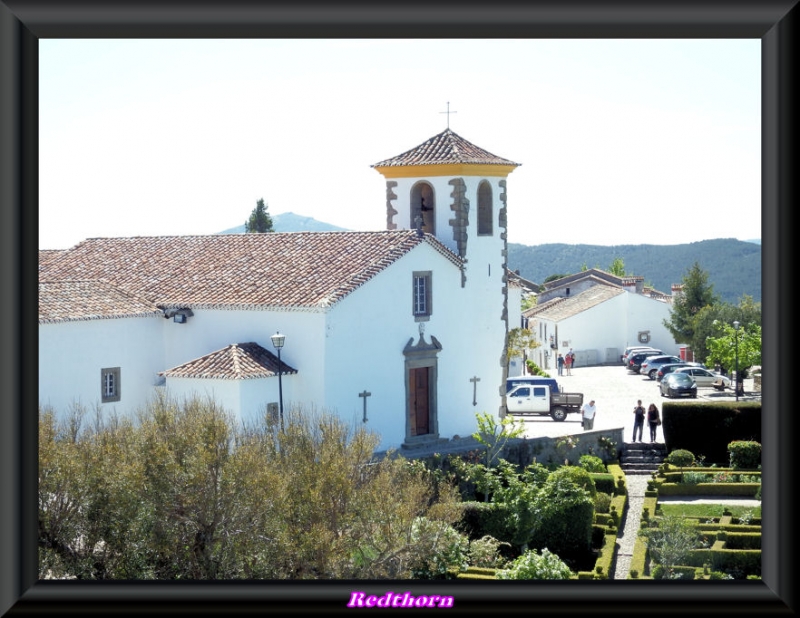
[484, 209]
[423, 205]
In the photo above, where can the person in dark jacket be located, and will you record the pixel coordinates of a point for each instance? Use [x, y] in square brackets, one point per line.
[638, 421]
[653, 420]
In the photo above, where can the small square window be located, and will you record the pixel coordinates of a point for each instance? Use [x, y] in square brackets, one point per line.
[110, 384]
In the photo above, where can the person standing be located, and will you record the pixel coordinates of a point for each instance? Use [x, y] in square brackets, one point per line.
[568, 363]
[560, 363]
[588, 411]
[638, 420]
[654, 420]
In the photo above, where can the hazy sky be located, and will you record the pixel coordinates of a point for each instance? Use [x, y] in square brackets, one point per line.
[620, 141]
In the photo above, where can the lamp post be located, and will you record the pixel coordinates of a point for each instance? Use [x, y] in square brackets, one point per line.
[736, 348]
[277, 341]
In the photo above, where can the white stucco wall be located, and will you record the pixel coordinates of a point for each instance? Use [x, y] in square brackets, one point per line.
[72, 355]
[648, 314]
[368, 331]
[613, 325]
[209, 330]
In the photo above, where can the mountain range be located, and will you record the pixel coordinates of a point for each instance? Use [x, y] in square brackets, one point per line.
[733, 266]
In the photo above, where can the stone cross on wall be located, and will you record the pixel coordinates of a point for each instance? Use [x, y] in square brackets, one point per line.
[474, 381]
[364, 395]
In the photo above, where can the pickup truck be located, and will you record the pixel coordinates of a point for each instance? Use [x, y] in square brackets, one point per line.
[531, 399]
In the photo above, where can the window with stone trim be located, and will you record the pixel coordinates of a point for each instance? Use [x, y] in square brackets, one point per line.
[110, 384]
[484, 209]
[421, 301]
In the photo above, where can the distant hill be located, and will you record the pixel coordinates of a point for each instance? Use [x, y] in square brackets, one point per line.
[733, 266]
[290, 222]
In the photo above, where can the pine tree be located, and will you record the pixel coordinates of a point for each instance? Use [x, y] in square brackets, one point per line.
[696, 294]
[259, 221]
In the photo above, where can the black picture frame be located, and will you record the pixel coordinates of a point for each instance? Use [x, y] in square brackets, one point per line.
[23, 23]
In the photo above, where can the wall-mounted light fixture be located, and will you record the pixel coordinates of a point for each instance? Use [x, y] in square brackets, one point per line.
[179, 316]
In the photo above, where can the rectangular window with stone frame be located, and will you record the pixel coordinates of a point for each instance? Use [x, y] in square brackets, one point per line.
[110, 384]
[421, 295]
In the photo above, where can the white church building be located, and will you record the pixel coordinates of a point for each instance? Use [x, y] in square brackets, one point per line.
[402, 330]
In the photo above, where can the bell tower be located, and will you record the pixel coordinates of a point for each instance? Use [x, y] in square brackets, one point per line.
[456, 191]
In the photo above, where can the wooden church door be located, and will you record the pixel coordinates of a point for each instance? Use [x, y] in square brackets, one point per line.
[419, 390]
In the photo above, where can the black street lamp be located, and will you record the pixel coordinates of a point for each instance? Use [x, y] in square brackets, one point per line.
[277, 341]
[736, 348]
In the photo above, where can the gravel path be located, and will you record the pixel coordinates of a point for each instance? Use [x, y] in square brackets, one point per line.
[637, 485]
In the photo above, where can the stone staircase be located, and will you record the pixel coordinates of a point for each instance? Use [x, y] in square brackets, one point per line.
[642, 457]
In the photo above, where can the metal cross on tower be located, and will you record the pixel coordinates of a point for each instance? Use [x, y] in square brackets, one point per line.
[448, 112]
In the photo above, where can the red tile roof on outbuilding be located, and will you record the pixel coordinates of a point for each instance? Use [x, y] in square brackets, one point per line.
[238, 361]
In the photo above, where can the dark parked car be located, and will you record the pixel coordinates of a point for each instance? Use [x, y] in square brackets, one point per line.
[677, 384]
[633, 349]
[635, 361]
[649, 366]
[666, 369]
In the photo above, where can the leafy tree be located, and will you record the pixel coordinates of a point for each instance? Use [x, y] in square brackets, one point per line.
[561, 275]
[529, 301]
[723, 347]
[563, 513]
[259, 222]
[617, 267]
[441, 549]
[519, 340]
[680, 458]
[184, 493]
[705, 323]
[696, 294]
[670, 543]
[494, 436]
[532, 565]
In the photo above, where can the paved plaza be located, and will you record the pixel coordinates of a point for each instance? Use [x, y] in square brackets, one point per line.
[615, 391]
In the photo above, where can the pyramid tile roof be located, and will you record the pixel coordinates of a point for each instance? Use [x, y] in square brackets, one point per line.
[238, 361]
[445, 148]
[305, 270]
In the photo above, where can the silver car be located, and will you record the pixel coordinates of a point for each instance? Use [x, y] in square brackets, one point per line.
[704, 377]
[649, 366]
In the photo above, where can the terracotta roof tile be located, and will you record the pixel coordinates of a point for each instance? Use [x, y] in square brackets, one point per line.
[68, 301]
[445, 148]
[561, 308]
[238, 361]
[289, 270]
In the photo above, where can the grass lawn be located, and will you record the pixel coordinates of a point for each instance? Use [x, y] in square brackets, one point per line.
[706, 510]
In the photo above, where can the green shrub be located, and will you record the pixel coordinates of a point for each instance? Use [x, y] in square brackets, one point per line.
[680, 457]
[602, 503]
[745, 454]
[445, 549]
[591, 463]
[531, 565]
[484, 553]
[693, 478]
